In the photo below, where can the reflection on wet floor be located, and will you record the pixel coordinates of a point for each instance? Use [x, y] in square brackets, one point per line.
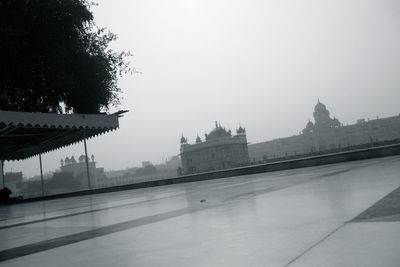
[252, 220]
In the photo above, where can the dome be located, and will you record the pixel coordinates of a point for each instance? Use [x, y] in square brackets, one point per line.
[217, 133]
[309, 127]
[241, 130]
[82, 158]
[335, 122]
[183, 140]
[319, 107]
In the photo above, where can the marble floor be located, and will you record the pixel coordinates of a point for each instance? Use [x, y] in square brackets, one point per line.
[300, 217]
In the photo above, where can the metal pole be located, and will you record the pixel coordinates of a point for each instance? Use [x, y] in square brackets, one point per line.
[86, 159]
[41, 174]
[2, 174]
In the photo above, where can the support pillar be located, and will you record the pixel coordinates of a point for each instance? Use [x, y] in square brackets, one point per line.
[3, 178]
[41, 174]
[86, 159]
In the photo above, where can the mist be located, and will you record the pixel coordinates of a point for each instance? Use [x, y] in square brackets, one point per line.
[261, 64]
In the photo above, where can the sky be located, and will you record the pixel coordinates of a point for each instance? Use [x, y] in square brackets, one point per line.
[262, 64]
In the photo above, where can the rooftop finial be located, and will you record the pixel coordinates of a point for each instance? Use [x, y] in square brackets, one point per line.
[183, 140]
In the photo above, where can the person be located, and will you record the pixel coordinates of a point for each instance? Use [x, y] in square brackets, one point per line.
[5, 194]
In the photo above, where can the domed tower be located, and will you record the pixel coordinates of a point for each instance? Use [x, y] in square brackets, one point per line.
[309, 127]
[241, 131]
[81, 159]
[183, 140]
[218, 132]
[335, 123]
[321, 114]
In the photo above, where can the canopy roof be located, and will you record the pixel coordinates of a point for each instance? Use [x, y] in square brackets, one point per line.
[25, 134]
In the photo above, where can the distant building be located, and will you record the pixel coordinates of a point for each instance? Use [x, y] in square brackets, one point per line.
[146, 163]
[327, 133]
[170, 166]
[219, 150]
[75, 171]
[147, 172]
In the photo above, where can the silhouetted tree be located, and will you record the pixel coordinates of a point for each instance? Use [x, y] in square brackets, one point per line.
[55, 59]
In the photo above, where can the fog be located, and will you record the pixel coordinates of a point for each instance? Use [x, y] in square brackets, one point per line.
[261, 64]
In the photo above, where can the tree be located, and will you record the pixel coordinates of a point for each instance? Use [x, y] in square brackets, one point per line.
[55, 59]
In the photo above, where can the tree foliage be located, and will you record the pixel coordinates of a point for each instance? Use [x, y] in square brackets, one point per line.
[53, 58]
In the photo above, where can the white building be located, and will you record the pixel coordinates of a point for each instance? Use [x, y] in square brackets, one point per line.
[328, 133]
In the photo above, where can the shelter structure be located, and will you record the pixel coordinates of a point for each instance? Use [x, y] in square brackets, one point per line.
[25, 134]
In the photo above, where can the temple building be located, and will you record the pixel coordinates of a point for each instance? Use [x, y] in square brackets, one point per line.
[327, 133]
[76, 171]
[219, 150]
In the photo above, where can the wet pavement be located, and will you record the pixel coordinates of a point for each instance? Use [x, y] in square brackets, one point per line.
[300, 217]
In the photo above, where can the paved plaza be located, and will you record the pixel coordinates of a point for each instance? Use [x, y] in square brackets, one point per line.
[334, 215]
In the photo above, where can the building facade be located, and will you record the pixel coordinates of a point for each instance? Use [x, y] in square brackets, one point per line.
[219, 150]
[327, 133]
[78, 171]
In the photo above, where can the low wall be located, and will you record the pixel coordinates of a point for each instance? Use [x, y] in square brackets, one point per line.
[361, 154]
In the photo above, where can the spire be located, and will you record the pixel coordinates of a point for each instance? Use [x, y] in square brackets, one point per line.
[183, 140]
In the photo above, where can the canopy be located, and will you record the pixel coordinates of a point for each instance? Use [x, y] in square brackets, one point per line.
[25, 134]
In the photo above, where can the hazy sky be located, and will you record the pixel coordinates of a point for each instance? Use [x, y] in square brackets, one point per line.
[259, 63]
